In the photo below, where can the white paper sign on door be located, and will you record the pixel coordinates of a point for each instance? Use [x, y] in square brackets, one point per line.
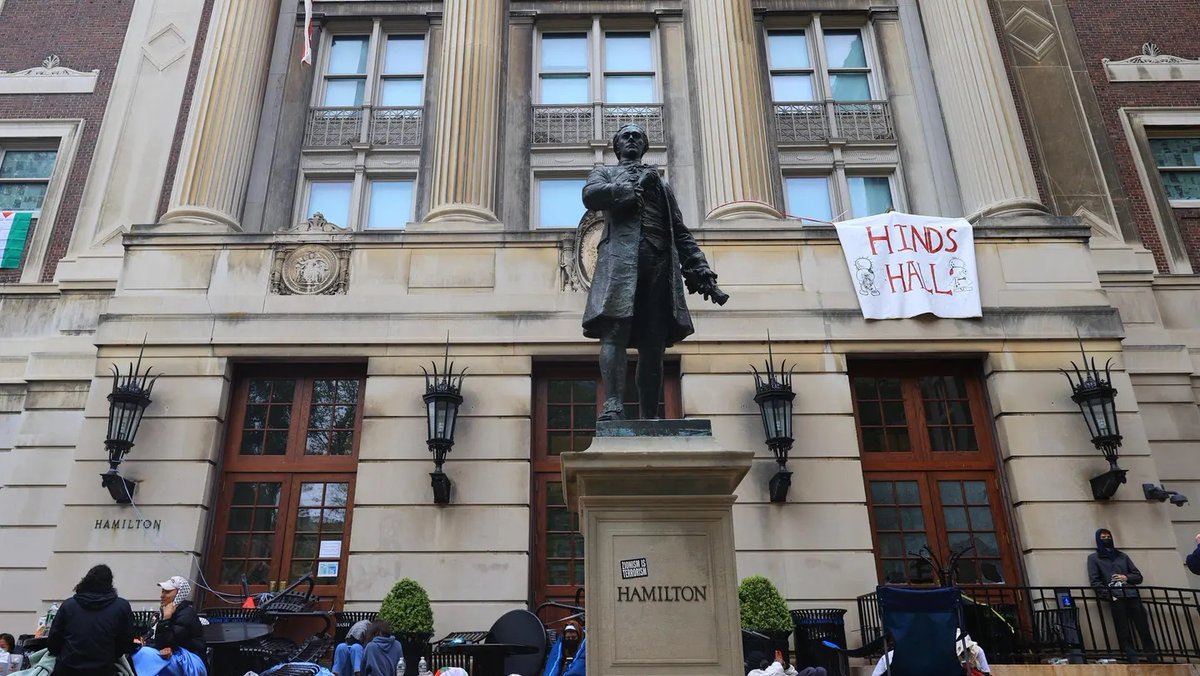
[903, 265]
[330, 549]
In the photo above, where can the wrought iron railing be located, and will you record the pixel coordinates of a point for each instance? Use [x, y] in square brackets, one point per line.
[576, 124]
[333, 127]
[801, 122]
[393, 126]
[864, 121]
[562, 124]
[1026, 625]
[396, 126]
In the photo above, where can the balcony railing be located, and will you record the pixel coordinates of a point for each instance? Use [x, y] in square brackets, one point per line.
[389, 126]
[396, 126]
[576, 124]
[864, 121]
[1026, 625]
[802, 122]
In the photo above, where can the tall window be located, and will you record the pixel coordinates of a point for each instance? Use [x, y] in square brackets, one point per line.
[930, 470]
[25, 171]
[560, 202]
[567, 400]
[366, 114]
[826, 97]
[287, 487]
[1177, 158]
[592, 80]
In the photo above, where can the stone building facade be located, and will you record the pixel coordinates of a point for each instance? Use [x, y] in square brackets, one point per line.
[442, 143]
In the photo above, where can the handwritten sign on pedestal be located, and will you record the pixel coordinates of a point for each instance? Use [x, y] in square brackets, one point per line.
[903, 265]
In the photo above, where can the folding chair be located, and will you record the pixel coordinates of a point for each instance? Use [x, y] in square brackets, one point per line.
[922, 624]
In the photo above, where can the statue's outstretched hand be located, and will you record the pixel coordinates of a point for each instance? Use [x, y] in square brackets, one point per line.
[703, 280]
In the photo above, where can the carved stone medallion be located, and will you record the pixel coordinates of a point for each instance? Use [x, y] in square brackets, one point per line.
[579, 252]
[310, 270]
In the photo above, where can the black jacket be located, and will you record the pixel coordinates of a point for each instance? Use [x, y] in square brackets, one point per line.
[1104, 563]
[90, 632]
[183, 630]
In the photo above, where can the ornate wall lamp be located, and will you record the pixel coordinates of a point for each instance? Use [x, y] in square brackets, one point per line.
[773, 394]
[1096, 398]
[126, 403]
[443, 397]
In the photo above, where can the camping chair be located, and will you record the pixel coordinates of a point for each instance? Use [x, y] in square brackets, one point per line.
[922, 625]
[523, 628]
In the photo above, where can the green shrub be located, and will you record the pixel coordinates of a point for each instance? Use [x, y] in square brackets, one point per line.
[762, 606]
[406, 608]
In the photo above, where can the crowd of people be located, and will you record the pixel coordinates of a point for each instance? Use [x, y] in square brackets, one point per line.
[93, 633]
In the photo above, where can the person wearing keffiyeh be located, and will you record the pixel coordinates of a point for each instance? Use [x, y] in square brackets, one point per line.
[180, 627]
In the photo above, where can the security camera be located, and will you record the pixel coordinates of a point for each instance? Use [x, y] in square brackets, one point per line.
[1161, 494]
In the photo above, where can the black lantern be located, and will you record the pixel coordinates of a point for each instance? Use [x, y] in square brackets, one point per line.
[1096, 398]
[773, 394]
[443, 396]
[126, 403]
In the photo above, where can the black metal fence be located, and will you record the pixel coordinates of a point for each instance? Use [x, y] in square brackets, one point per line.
[1026, 625]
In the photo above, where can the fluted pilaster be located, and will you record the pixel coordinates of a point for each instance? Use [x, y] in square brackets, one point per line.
[991, 159]
[735, 146]
[214, 164]
[463, 185]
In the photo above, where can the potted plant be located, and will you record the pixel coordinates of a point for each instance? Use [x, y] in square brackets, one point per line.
[763, 610]
[406, 608]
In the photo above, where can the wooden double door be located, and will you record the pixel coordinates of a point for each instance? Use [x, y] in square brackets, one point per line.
[287, 489]
[566, 401]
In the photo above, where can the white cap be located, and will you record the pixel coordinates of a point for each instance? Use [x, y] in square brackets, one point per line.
[570, 627]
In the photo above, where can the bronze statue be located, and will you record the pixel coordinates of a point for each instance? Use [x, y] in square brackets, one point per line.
[645, 259]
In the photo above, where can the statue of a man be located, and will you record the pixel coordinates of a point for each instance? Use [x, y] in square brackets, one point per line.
[637, 293]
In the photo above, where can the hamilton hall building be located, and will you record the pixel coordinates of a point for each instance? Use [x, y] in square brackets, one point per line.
[288, 244]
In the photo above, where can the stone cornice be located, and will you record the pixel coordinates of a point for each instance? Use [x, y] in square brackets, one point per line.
[48, 78]
[1151, 66]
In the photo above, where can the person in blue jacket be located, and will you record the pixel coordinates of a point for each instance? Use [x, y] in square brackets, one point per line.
[1193, 559]
[579, 664]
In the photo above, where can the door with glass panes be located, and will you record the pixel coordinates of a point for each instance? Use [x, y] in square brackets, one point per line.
[929, 462]
[567, 400]
[287, 488]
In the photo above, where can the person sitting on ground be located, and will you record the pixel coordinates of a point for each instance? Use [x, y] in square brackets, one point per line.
[8, 644]
[93, 628]
[1193, 559]
[781, 667]
[179, 627]
[970, 654]
[348, 657]
[382, 652]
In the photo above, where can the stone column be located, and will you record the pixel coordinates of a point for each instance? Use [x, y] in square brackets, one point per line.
[735, 148]
[991, 159]
[463, 186]
[218, 146]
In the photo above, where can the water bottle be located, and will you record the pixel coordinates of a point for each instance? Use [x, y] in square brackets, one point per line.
[50, 615]
[400, 667]
[422, 667]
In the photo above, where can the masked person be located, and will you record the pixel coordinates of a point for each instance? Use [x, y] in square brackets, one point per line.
[1115, 578]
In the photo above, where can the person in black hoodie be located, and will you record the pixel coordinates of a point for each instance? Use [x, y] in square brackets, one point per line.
[92, 629]
[1115, 578]
[180, 624]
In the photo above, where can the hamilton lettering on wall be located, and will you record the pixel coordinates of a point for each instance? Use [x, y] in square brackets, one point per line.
[128, 524]
[663, 594]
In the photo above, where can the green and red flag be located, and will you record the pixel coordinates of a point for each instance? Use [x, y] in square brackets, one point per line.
[14, 229]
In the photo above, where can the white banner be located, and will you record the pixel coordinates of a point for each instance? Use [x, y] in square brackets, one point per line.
[904, 265]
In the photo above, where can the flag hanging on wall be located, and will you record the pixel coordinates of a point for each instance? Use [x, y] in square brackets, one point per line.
[307, 58]
[14, 228]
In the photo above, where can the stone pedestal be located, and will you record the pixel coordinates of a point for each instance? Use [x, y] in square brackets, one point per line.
[656, 508]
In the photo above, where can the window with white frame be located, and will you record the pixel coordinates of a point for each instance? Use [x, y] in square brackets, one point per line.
[1177, 159]
[363, 141]
[593, 79]
[559, 201]
[386, 203]
[827, 97]
[371, 89]
[25, 171]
